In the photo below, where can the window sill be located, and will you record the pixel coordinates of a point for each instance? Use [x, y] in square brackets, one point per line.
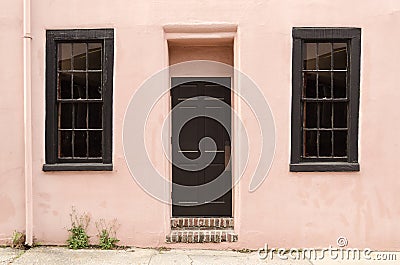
[324, 167]
[78, 167]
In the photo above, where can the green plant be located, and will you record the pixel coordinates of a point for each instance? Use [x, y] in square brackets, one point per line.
[18, 240]
[78, 237]
[107, 234]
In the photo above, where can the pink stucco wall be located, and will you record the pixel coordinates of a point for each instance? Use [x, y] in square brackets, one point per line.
[12, 198]
[289, 209]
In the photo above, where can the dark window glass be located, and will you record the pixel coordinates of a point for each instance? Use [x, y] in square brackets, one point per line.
[64, 56]
[311, 114]
[339, 56]
[65, 115]
[80, 144]
[325, 143]
[94, 89]
[310, 140]
[324, 85]
[95, 55]
[322, 112]
[81, 115]
[95, 115]
[340, 115]
[325, 115]
[95, 143]
[340, 143]
[310, 56]
[79, 51]
[64, 85]
[310, 85]
[339, 84]
[324, 56]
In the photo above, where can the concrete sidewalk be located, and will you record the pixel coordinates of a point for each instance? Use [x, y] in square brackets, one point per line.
[61, 255]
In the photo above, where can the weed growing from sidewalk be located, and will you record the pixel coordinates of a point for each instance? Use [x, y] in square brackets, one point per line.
[107, 234]
[18, 240]
[78, 237]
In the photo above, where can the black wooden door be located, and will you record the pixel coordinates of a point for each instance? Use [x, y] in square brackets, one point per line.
[202, 101]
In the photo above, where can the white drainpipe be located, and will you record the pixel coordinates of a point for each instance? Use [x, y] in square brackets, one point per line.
[28, 123]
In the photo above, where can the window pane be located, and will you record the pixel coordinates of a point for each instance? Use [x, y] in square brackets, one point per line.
[95, 143]
[340, 115]
[339, 56]
[310, 55]
[94, 89]
[80, 146]
[64, 86]
[95, 115]
[80, 115]
[340, 143]
[94, 53]
[324, 85]
[325, 143]
[65, 115]
[310, 143]
[79, 85]
[339, 85]
[79, 53]
[324, 56]
[64, 56]
[64, 143]
[325, 115]
[310, 85]
[310, 110]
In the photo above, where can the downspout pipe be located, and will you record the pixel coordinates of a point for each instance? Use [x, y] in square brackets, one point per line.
[28, 122]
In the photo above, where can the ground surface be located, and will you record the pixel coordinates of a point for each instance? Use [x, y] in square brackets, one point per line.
[61, 255]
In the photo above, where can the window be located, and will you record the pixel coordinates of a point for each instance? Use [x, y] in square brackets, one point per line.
[79, 81]
[325, 99]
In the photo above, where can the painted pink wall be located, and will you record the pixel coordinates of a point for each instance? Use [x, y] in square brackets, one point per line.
[12, 209]
[289, 209]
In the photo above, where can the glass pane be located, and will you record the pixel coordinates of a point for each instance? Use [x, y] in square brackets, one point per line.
[310, 143]
[340, 115]
[339, 56]
[94, 53]
[324, 56]
[95, 115]
[310, 110]
[324, 85]
[310, 85]
[325, 115]
[79, 53]
[340, 143]
[80, 146]
[339, 85]
[64, 144]
[64, 86]
[80, 115]
[95, 143]
[310, 55]
[65, 116]
[64, 56]
[79, 85]
[94, 89]
[325, 143]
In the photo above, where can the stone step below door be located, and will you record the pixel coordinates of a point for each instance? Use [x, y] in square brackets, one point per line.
[202, 230]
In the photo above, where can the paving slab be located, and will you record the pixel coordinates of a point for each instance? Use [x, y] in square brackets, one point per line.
[63, 255]
[7, 255]
[60, 255]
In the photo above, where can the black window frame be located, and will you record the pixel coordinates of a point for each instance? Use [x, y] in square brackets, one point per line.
[308, 34]
[53, 37]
